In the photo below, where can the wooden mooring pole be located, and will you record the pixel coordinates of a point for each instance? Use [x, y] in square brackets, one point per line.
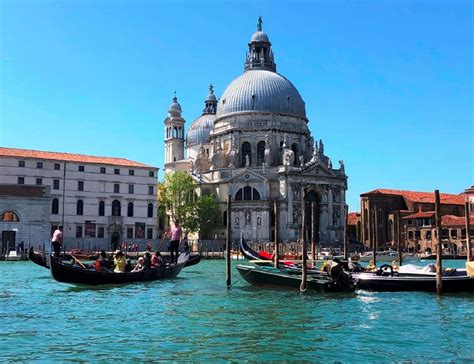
[374, 235]
[276, 212]
[303, 240]
[439, 247]
[346, 242]
[229, 241]
[399, 249]
[313, 233]
[469, 255]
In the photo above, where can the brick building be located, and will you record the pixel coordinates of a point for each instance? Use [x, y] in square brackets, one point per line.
[386, 216]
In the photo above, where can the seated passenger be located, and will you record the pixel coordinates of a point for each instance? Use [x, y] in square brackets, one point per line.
[119, 262]
[140, 265]
[102, 263]
[371, 266]
[147, 259]
[157, 260]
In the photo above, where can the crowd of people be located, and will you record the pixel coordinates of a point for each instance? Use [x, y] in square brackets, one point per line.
[119, 263]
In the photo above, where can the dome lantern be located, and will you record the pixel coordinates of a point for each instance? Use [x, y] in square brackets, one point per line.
[260, 54]
[175, 108]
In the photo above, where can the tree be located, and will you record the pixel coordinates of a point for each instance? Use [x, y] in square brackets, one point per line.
[178, 197]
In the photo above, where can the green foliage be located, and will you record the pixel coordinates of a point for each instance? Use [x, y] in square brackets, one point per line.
[178, 198]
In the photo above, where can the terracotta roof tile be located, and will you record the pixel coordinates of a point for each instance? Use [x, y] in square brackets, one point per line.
[419, 215]
[69, 157]
[451, 220]
[427, 197]
[353, 218]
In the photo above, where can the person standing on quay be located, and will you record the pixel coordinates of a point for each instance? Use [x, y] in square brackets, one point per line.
[175, 233]
[57, 241]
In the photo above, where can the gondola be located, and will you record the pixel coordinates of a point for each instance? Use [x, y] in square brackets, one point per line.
[192, 259]
[455, 280]
[40, 258]
[266, 276]
[69, 272]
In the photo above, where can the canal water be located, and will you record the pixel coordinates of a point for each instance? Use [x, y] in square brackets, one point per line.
[196, 318]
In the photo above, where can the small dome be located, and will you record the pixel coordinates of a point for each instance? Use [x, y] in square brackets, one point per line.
[259, 36]
[261, 91]
[200, 130]
[175, 108]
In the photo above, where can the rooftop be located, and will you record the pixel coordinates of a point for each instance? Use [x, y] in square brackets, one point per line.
[69, 157]
[426, 197]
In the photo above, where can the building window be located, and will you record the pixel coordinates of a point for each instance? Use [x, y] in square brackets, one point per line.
[39, 165]
[78, 231]
[444, 233]
[116, 171]
[55, 206]
[130, 209]
[21, 180]
[81, 168]
[151, 190]
[248, 194]
[80, 185]
[57, 166]
[260, 153]
[9, 216]
[294, 148]
[454, 233]
[151, 174]
[131, 172]
[409, 222]
[100, 232]
[129, 233]
[224, 218]
[80, 207]
[21, 163]
[428, 235]
[116, 208]
[55, 184]
[150, 210]
[116, 188]
[410, 235]
[149, 233]
[427, 222]
[101, 208]
[102, 170]
[417, 234]
[246, 151]
[130, 188]
[39, 181]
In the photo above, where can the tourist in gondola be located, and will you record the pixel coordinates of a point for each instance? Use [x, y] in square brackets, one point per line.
[102, 263]
[119, 262]
[140, 265]
[147, 260]
[157, 260]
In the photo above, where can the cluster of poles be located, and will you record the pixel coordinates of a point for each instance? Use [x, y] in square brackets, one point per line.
[439, 246]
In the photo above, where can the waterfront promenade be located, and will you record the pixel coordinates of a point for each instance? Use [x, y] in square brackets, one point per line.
[196, 318]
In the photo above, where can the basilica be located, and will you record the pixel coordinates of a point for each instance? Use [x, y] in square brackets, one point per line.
[254, 145]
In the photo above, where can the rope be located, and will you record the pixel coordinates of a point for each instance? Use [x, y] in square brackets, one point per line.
[303, 290]
[242, 276]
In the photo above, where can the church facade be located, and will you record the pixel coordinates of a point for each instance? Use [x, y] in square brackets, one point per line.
[254, 145]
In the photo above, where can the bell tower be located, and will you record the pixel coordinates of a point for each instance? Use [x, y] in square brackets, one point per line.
[174, 133]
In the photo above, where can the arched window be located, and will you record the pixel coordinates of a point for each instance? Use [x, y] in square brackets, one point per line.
[116, 208]
[101, 208]
[80, 207]
[256, 194]
[130, 209]
[150, 210]
[246, 151]
[295, 149]
[247, 193]
[260, 153]
[55, 206]
[10, 216]
[238, 195]
[175, 132]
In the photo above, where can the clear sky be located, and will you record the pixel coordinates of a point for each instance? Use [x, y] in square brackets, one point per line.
[388, 85]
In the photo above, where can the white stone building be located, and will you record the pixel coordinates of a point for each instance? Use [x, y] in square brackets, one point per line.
[254, 144]
[100, 201]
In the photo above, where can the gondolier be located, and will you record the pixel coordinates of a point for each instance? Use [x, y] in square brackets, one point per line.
[175, 236]
[57, 240]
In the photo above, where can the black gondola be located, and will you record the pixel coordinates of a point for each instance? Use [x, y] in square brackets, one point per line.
[248, 252]
[283, 278]
[66, 272]
[455, 281]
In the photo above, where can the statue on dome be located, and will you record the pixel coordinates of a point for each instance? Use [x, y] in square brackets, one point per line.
[341, 165]
[321, 147]
[259, 24]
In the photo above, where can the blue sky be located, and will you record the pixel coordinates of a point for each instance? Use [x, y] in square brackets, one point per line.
[388, 85]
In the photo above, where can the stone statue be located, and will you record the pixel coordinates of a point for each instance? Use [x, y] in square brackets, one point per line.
[233, 154]
[247, 160]
[329, 163]
[301, 160]
[321, 147]
[259, 24]
[341, 165]
[247, 217]
[285, 141]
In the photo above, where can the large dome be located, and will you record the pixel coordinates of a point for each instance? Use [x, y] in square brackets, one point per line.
[261, 91]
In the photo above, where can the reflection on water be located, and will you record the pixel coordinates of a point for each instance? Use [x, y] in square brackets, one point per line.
[196, 318]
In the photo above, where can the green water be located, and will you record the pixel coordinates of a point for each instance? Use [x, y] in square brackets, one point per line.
[195, 318]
